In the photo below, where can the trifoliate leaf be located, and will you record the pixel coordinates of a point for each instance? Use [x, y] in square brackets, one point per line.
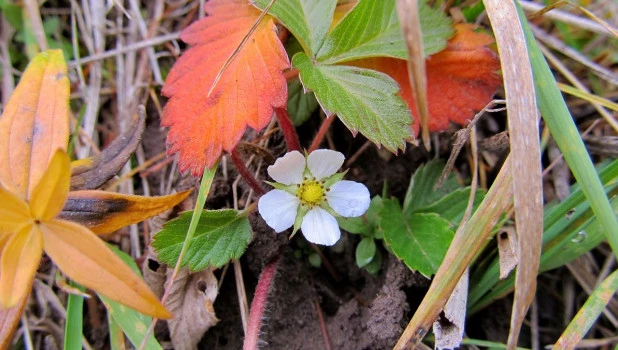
[453, 205]
[365, 251]
[308, 20]
[419, 239]
[421, 191]
[364, 100]
[221, 235]
[371, 29]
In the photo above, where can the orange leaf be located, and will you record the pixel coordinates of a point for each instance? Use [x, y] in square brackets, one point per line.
[105, 212]
[35, 123]
[49, 195]
[18, 264]
[9, 319]
[461, 79]
[202, 126]
[85, 258]
[14, 211]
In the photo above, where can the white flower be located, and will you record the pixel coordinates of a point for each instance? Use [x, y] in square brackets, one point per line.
[309, 194]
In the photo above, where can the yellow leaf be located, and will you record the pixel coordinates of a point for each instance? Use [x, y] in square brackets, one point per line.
[49, 195]
[18, 264]
[84, 257]
[14, 211]
[105, 212]
[35, 123]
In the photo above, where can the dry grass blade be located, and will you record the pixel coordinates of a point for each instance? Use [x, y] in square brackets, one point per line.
[407, 10]
[525, 153]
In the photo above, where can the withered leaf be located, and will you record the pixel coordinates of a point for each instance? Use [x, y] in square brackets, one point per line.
[92, 173]
[104, 212]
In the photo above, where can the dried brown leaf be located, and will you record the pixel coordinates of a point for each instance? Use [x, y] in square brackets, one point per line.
[191, 301]
[92, 173]
[507, 251]
[449, 327]
[525, 154]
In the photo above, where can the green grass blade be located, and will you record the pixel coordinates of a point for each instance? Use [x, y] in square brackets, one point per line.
[560, 123]
[589, 313]
[75, 320]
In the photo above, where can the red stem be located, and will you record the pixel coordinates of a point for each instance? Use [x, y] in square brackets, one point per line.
[321, 133]
[245, 173]
[259, 304]
[289, 132]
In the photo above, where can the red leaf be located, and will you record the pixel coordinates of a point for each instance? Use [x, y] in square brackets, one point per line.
[202, 126]
[461, 79]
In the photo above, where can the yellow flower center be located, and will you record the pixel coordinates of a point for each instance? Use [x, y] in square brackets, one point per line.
[311, 192]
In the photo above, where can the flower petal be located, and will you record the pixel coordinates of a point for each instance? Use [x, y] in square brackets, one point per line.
[49, 195]
[320, 227]
[288, 169]
[323, 163]
[348, 198]
[84, 257]
[278, 208]
[14, 211]
[20, 259]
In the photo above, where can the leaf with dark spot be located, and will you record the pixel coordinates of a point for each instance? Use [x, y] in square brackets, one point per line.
[104, 212]
[93, 172]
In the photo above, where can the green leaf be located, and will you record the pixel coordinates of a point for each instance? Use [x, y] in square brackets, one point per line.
[419, 239]
[421, 190]
[453, 206]
[75, 320]
[132, 323]
[357, 225]
[372, 29]
[12, 13]
[308, 20]
[364, 100]
[365, 251]
[221, 235]
[315, 260]
[300, 104]
[376, 264]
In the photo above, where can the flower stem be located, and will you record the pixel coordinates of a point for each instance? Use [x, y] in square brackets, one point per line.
[259, 304]
[289, 132]
[321, 133]
[245, 173]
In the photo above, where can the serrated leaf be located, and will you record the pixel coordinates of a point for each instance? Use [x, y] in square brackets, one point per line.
[300, 104]
[365, 251]
[207, 118]
[453, 205]
[364, 100]
[132, 323]
[421, 190]
[372, 29]
[419, 239]
[221, 235]
[308, 20]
